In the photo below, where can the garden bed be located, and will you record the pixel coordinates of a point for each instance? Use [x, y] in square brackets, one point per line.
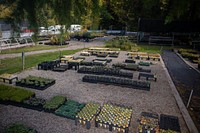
[33, 82]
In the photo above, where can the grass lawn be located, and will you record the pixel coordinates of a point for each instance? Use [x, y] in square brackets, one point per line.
[31, 48]
[14, 65]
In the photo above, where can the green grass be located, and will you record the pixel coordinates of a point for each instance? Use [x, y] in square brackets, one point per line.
[125, 44]
[152, 48]
[31, 48]
[14, 65]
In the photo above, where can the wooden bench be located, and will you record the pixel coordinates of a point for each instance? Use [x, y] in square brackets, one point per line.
[147, 76]
[8, 77]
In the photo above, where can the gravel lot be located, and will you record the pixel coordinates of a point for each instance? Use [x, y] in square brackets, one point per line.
[158, 100]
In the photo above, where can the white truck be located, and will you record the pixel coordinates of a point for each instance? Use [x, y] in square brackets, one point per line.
[52, 30]
[56, 29]
[74, 28]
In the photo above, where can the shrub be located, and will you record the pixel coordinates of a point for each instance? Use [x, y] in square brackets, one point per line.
[120, 42]
[54, 103]
[9, 93]
[57, 39]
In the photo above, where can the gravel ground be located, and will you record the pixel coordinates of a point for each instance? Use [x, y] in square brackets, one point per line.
[158, 100]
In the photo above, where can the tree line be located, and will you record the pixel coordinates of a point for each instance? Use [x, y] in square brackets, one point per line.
[97, 14]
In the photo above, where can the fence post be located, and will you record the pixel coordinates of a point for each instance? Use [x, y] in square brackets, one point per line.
[189, 98]
[23, 60]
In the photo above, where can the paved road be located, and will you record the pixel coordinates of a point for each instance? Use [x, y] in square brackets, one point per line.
[180, 72]
[72, 46]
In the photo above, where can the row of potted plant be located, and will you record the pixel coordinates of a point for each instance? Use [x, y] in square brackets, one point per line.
[133, 67]
[117, 81]
[88, 112]
[105, 71]
[116, 117]
[191, 54]
[35, 82]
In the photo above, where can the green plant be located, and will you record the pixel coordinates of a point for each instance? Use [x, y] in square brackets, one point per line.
[69, 109]
[134, 67]
[54, 103]
[58, 39]
[9, 93]
[34, 101]
[89, 111]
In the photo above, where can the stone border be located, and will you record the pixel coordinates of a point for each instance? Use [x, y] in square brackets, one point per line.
[189, 122]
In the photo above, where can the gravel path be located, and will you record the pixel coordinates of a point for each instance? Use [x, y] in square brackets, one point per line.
[72, 46]
[159, 100]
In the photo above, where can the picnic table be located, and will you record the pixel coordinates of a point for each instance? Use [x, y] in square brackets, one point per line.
[147, 76]
[8, 77]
